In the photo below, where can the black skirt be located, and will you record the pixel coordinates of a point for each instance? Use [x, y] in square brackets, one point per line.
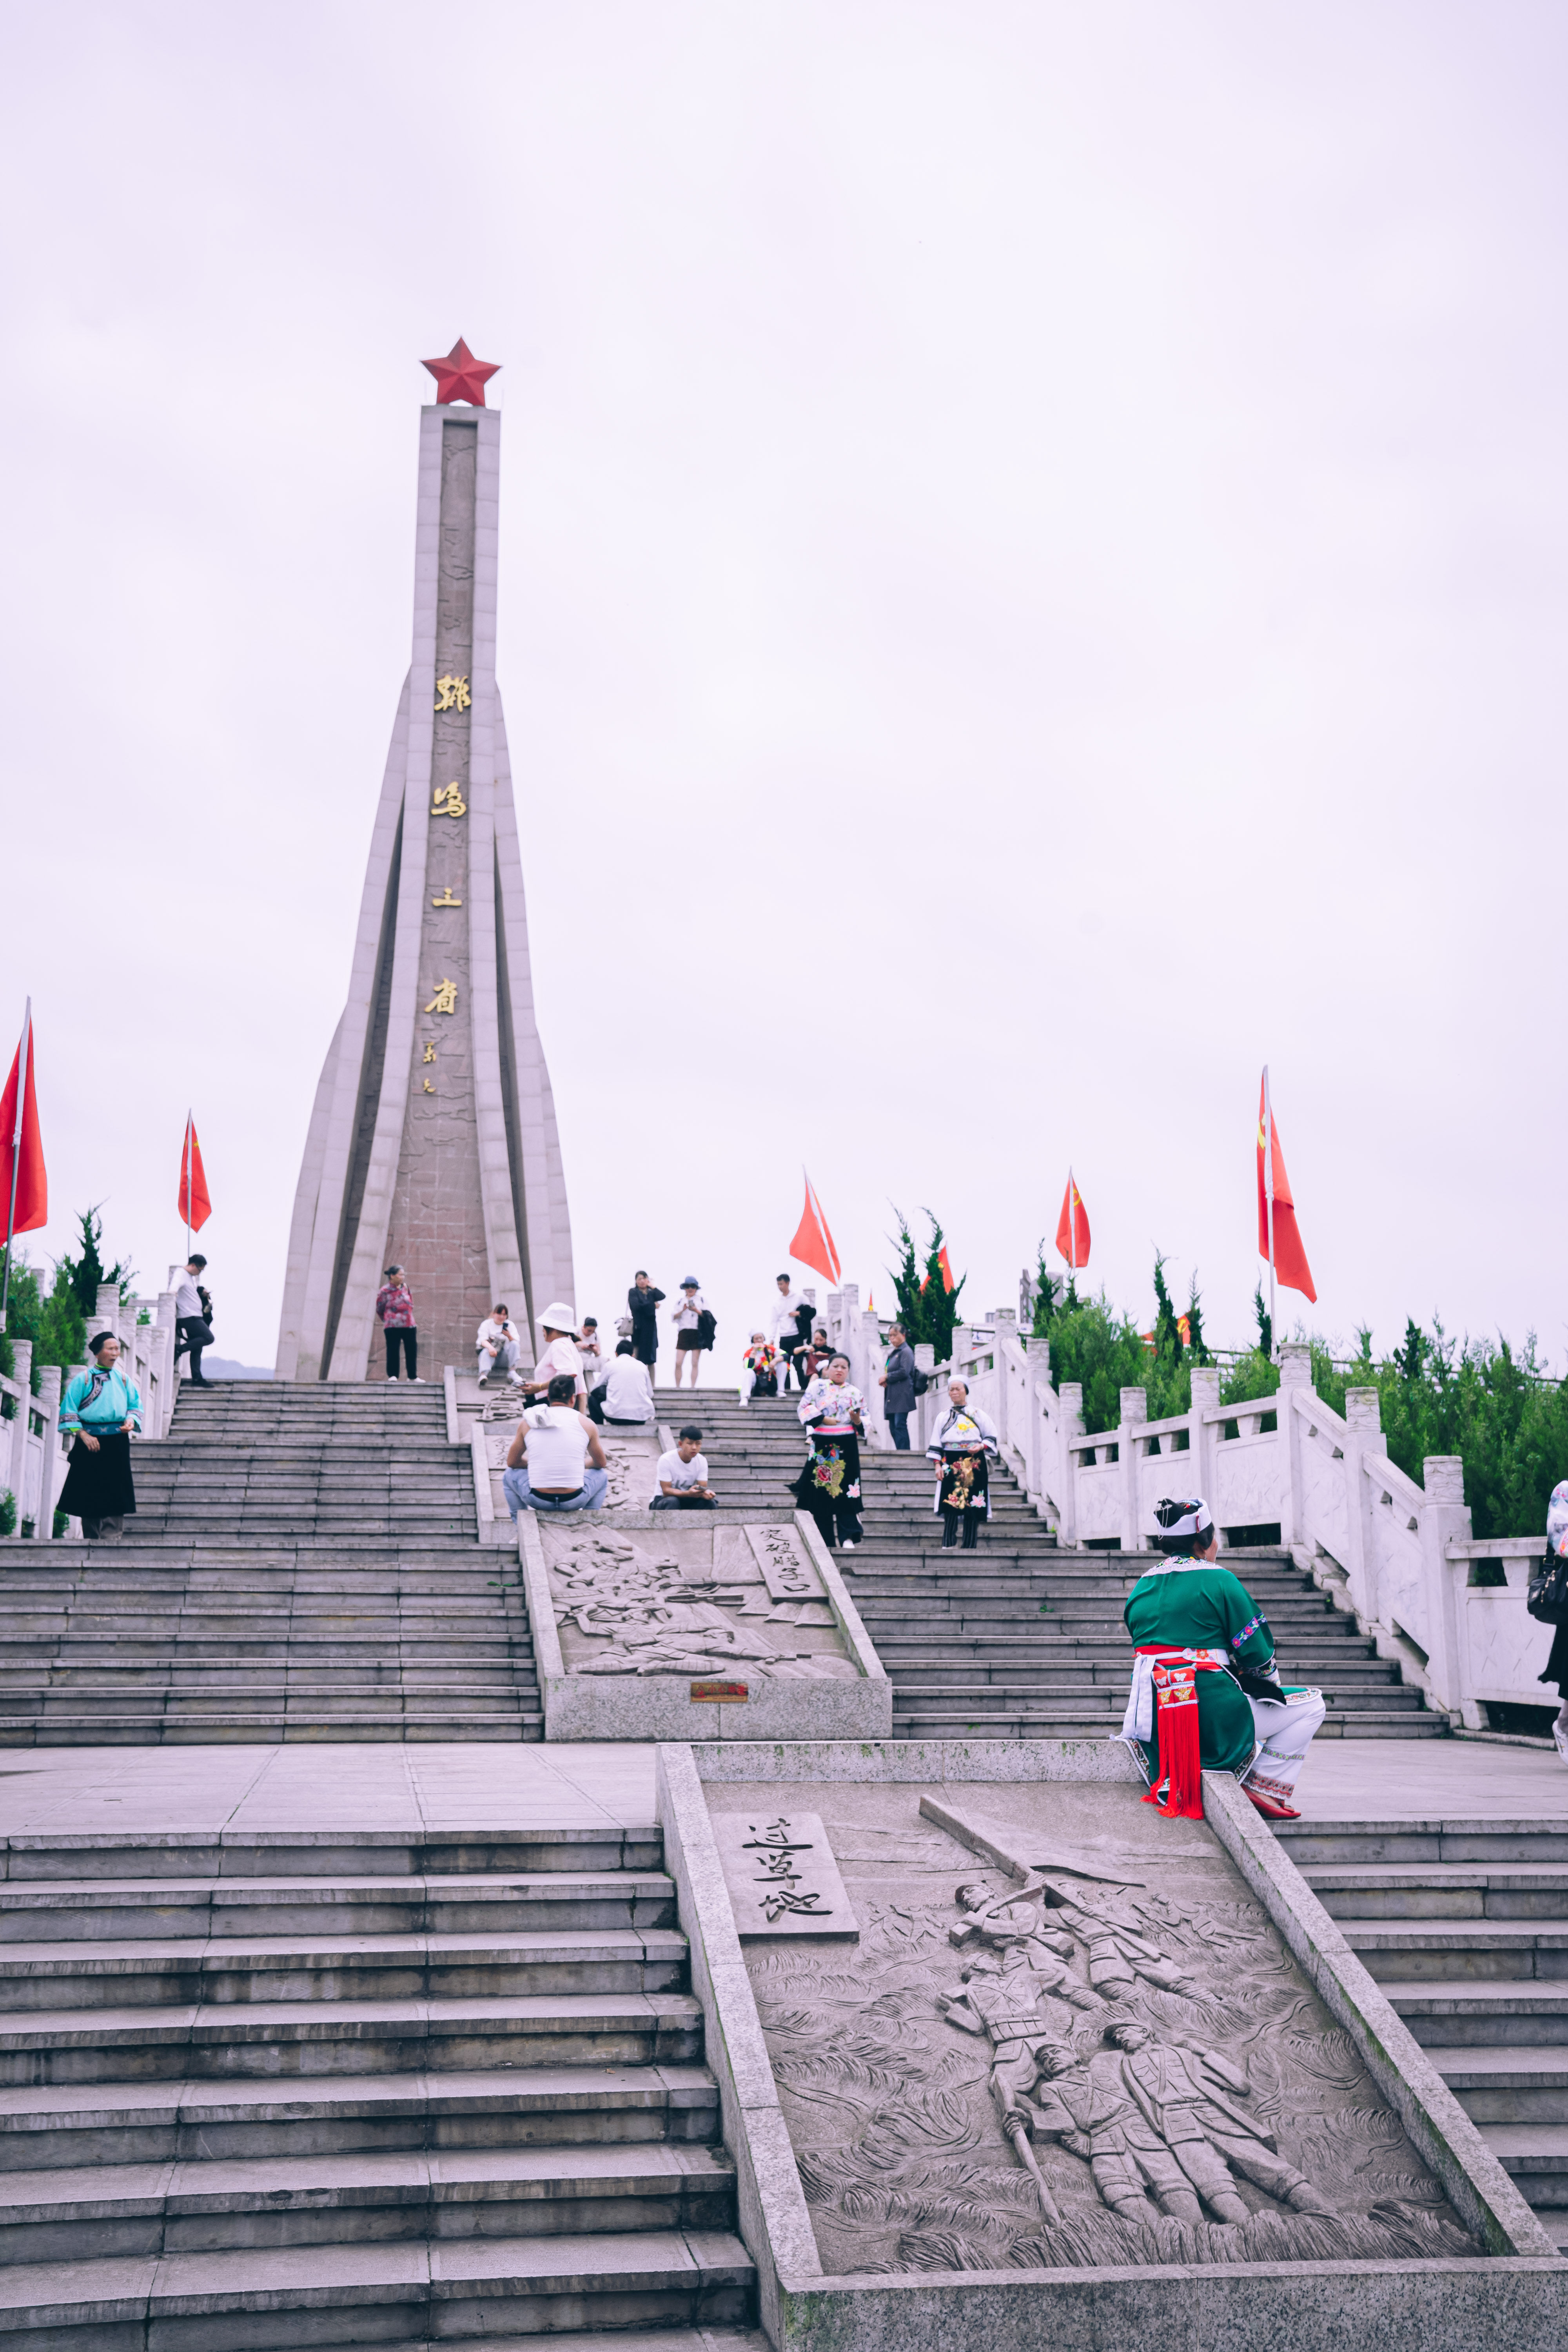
[1557, 1663]
[965, 1484]
[831, 1478]
[99, 1485]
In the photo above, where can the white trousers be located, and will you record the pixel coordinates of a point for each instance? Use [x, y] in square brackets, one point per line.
[1284, 1734]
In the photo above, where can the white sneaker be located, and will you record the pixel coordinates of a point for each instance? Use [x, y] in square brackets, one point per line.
[847, 1544]
[1560, 1738]
[416, 1380]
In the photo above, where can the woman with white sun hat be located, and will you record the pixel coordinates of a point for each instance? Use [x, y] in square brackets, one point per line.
[559, 1354]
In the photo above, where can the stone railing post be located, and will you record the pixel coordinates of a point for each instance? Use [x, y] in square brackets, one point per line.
[1442, 1519]
[51, 1469]
[1069, 1417]
[1363, 1419]
[1295, 1376]
[1005, 1324]
[1205, 1434]
[925, 1361]
[1134, 1412]
[109, 1311]
[1044, 1474]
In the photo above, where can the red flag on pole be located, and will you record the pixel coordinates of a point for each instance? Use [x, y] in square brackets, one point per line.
[813, 1244]
[946, 1269]
[24, 1185]
[1288, 1258]
[1072, 1228]
[194, 1206]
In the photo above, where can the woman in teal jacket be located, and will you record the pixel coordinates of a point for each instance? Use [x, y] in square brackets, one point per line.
[1206, 1693]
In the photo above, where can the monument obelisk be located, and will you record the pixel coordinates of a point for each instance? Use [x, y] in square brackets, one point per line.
[432, 1143]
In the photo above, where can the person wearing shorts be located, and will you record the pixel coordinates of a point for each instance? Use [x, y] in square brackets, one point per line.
[686, 1318]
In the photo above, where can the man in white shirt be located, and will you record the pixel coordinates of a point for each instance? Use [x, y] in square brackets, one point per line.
[190, 1308]
[497, 1343]
[683, 1476]
[625, 1400]
[559, 1447]
[559, 1354]
[786, 1329]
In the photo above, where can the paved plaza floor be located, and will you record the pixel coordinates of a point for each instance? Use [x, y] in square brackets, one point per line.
[571, 1785]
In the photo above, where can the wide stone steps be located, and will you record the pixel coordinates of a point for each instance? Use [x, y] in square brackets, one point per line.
[183, 2207]
[282, 2092]
[1464, 1924]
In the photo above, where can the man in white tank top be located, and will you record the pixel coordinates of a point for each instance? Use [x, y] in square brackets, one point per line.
[555, 1462]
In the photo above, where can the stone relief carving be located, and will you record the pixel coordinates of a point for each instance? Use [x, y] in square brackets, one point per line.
[696, 1603]
[1037, 2057]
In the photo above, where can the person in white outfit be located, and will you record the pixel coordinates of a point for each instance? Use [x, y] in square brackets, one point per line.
[558, 1354]
[787, 1336]
[625, 1400]
[498, 1344]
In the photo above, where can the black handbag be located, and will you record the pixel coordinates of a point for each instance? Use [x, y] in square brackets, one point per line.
[1548, 1595]
[921, 1380]
[707, 1325]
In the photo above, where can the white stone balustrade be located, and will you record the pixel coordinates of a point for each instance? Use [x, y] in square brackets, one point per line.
[32, 1457]
[1398, 1556]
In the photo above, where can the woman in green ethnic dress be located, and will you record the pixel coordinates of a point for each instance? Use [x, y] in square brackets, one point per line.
[1206, 1693]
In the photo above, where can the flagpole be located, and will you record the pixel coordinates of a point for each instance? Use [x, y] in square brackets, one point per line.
[187, 1185]
[1268, 1194]
[22, 1059]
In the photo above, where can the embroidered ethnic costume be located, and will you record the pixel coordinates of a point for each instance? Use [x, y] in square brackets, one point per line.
[1205, 1691]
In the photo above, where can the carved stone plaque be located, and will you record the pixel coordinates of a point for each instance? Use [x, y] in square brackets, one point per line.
[1067, 2037]
[787, 1571]
[782, 1877]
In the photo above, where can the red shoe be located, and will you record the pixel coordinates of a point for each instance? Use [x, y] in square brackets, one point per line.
[1270, 1807]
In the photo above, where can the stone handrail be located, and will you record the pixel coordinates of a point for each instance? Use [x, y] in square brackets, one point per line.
[1396, 1555]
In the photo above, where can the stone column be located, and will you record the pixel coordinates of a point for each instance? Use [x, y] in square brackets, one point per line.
[52, 1468]
[1444, 1518]
[1205, 1435]
[1363, 1422]
[1295, 1376]
[1134, 1413]
[17, 1430]
[1005, 1325]
[1069, 1414]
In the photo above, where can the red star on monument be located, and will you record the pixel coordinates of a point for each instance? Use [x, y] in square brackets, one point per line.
[460, 376]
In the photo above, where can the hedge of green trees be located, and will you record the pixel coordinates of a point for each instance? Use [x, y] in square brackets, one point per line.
[53, 1310]
[1491, 1403]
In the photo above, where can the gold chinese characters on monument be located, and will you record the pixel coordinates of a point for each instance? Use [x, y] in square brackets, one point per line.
[452, 693]
[446, 899]
[448, 800]
[445, 999]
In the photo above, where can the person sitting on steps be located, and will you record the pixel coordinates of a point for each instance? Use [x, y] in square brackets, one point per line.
[555, 1462]
[683, 1476]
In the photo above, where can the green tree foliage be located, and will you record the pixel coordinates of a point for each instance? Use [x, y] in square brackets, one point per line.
[926, 1308]
[53, 1313]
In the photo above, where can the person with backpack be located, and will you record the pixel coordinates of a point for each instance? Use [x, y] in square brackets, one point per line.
[903, 1382]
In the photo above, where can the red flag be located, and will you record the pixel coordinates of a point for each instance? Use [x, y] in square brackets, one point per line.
[813, 1244]
[1072, 1228]
[946, 1269]
[21, 1145]
[193, 1205]
[1290, 1265]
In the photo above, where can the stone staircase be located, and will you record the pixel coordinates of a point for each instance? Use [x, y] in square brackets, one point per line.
[303, 1564]
[1020, 1639]
[286, 2089]
[1464, 1924]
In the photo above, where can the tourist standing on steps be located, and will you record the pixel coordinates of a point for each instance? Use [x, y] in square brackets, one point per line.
[99, 1411]
[1557, 1663]
[1206, 1693]
[832, 1413]
[193, 1316]
[693, 1329]
[395, 1313]
[559, 1354]
[643, 1303]
[791, 1332]
[899, 1380]
[962, 1445]
[596, 1363]
[555, 1462]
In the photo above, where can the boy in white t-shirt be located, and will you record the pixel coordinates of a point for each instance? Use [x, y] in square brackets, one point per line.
[683, 1476]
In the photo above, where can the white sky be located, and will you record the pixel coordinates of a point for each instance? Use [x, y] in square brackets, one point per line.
[1033, 580]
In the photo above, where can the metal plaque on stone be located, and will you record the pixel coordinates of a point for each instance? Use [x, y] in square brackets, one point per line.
[782, 1877]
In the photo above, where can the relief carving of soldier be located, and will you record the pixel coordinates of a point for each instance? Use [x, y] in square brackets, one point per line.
[1153, 2116]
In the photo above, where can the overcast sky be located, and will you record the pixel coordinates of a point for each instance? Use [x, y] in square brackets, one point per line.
[1032, 581]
